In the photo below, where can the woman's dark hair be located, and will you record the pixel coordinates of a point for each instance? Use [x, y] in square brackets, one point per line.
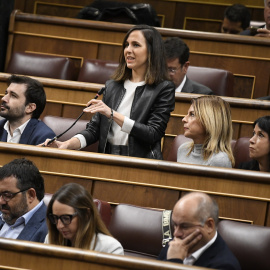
[89, 220]
[157, 67]
[264, 124]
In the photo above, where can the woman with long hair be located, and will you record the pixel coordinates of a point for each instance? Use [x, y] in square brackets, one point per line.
[209, 125]
[259, 146]
[73, 220]
[132, 117]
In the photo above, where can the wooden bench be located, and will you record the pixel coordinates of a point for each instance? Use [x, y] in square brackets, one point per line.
[22, 255]
[149, 183]
[67, 99]
[246, 57]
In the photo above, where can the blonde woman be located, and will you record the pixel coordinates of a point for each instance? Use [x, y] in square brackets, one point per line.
[73, 220]
[208, 123]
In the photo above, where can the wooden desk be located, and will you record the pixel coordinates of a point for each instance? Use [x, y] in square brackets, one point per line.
[22, 255]
[241, 195]
[246, 57]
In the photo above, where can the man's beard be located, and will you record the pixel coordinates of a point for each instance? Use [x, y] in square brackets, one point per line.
[12, 115]
[19, 210]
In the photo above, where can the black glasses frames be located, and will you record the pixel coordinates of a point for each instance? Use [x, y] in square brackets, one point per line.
[7, 196]
[65, 219]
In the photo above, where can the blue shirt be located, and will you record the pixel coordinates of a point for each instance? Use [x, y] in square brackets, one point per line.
[14, 230]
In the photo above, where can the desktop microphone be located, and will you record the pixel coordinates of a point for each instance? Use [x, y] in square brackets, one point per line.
[100, 92]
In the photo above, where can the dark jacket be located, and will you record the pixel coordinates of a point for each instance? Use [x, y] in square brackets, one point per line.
[252, 165]
[36, 228]
[196, 88]
[35, 132]
[150, 110]
[217, 256]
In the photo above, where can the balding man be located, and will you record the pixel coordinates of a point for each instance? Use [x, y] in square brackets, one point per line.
[196, 241]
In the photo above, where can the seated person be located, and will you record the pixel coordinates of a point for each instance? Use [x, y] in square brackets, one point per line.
[236, 19]
[23, 212]
[73, 220]
[196, 240]
[259, 147]
[22, 105]
[208, 123]
[177, 54]
[263, 30]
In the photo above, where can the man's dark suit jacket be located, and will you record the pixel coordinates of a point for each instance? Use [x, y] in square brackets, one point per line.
[247, 32]
[217, 256]
[35, 132]
[196, 88]
[36, 228]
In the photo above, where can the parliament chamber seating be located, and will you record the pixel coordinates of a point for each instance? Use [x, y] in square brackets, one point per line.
[104, 208]
[96, 71]
[240, 148]
[60, 124]
[40, 65]
[249, 243]
[220, 81]
[139, 230]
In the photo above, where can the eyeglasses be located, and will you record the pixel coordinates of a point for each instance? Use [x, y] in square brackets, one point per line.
[7, 196]
[173, 70]
[66, 219]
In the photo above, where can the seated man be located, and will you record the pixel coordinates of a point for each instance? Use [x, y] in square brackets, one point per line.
[196, 241]
[21, 202]
[236, 19]
[21, 106]
[263, 30]
[177, 54]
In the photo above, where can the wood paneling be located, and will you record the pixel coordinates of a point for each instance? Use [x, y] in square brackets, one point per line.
[22, 255]
[242, 195]
[175, 13]
[246, 57]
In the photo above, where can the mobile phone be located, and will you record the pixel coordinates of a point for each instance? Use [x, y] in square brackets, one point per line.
[253, 31]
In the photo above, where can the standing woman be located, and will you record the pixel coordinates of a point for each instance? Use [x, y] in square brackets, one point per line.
[73, 220]
[259, 146]
[133, 115]
[208, 123]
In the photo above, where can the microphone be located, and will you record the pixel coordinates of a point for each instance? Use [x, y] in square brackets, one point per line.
[99, 93]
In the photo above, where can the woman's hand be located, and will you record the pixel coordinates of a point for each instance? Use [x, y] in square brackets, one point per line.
[72, 143]
[98, 106]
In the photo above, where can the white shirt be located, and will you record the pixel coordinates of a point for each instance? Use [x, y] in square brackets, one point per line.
[200, 251]
[124, 108]
[180, 87]
[17, 132]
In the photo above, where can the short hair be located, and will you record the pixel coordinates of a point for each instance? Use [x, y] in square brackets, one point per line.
[264, 124]
[34, 92]
[27, 175]
[157, 68]
[89, 220]
[214, 114]
[207, 207]
[176, 48]
[238, 13]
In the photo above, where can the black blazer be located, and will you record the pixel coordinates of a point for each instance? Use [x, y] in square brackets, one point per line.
[217, 256]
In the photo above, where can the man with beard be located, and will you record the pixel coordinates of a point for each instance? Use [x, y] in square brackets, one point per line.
[196, 240]
[21, 106]
[23, 212]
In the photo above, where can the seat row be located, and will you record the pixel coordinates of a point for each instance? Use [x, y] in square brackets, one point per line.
[99, 71]
[58, 124]
[140, 231]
